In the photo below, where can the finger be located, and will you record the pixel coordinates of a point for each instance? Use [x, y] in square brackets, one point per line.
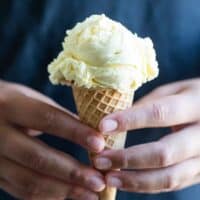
[154, 180]
[169, 150]
[166, 90]
[29, 92]
[37, 115]
[164, 112]
[35, 186]
[32, 153]
[9, 188]
[163, 91]
[188, 183]
[39, 96]
[34, 94]
[23, 194]
[16, 192]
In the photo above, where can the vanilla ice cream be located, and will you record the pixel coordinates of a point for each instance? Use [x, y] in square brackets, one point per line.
[102, 53]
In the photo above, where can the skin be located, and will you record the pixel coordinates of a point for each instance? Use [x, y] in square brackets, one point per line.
[169, 164]
[30, 169]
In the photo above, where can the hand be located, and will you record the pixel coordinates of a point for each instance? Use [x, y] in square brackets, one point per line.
[173, 162]
[29, 169]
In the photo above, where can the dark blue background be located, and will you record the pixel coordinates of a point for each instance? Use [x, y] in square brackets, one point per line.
[31, 33]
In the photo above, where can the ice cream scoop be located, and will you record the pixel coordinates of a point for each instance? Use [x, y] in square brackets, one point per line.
[102, 53]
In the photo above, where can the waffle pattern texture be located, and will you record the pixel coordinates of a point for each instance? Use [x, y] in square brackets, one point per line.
[92, 105]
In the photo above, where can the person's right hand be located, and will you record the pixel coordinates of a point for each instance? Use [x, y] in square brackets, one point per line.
[29, 169]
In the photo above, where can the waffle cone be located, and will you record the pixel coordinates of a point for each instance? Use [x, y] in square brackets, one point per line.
[92, 105]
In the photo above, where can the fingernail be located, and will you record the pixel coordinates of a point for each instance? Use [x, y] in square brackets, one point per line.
[114, 182]
[103, 163]
[96, 183]
[109, 125]
[95, 142]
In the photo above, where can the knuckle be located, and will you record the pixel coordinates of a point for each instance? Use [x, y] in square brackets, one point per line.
[71, 192]
[75, 132]
[79, 193]
[33, 188]
[35, 160]
[159, 112]
[134, 183]
[124, 159]
[170, 181]
[136, 186]
[75, 174]
[50, 119]
[125, 122]
[164, 157]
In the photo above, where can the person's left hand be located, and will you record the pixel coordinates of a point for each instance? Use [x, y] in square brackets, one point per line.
[173, 162]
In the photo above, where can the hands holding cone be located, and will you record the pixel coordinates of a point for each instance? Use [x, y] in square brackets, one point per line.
[92, 106]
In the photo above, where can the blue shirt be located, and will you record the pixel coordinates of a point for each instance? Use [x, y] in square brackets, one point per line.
[31, 33]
